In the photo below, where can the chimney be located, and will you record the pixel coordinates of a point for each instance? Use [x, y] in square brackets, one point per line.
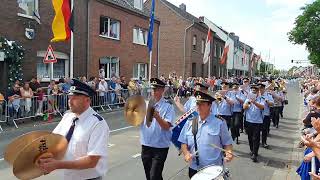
[183, 7]
[138, 4]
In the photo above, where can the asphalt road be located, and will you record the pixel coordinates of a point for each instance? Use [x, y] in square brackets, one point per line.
[276, 163]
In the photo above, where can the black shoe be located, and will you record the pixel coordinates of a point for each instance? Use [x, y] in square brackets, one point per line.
[277, 126]
[237, 141]
[241, 130]
[265, 145]
[254, 158]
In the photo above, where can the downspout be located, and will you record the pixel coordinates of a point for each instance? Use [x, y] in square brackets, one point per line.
[158, 53]
[88, 41]
[184, 49]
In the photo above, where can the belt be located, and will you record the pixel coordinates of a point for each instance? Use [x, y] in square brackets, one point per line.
[97, 178]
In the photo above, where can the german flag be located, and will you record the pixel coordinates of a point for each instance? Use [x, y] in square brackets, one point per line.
[61, 23]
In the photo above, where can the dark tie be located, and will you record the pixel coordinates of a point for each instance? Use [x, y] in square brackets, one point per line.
[70, 132]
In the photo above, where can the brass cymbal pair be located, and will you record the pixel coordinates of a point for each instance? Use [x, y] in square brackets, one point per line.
[135, 110]
[24, 152]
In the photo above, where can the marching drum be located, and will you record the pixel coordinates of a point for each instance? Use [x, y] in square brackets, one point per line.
[211, 173]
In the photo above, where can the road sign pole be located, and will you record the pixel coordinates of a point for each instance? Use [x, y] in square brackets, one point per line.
[51, 71]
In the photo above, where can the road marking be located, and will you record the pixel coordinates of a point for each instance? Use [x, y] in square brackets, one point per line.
[120, 129]
[111, 145]
[136, 155]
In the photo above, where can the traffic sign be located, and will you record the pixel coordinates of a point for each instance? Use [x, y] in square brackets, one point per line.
[49, 57]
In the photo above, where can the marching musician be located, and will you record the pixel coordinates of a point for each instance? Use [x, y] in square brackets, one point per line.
[245, 88]
[190, 104]
[198, 135]
[156, 139]
[278, 97]
[253, 107]
[238, 98]
[87, 135]
[268, 102]
[225, 103]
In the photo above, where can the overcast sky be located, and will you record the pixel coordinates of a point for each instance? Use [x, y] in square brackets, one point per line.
[262, 24]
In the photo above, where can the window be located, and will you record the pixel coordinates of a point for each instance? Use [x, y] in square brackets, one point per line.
[203, 46]
[140, 36]
[109, 28]
[44, 70]
[194, 42]
[215, 50]
[242, 61]
[111, 66]
[221, 51]
[140, 70]
[194, 70]
[202, 70]
[138, 4]
[218, 51]
[29, 9]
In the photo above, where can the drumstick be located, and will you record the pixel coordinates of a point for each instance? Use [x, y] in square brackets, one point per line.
[223, 150]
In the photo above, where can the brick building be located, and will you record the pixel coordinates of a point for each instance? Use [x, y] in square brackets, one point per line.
[182, 42]
[118, 39]
[92, 46]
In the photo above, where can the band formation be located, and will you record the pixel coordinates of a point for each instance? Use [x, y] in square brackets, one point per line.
[204, 135]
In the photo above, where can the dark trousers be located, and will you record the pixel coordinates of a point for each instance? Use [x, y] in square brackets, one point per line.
[253, 130]
[153, 160]
[236, 124]
[192, 172]
[228, 120]
[276, 115]
[281, 110]
[265, 129]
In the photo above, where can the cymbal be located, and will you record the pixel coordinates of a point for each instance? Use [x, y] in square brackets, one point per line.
[135, 110]
[150, 111]
[50, 145]
[13, 149]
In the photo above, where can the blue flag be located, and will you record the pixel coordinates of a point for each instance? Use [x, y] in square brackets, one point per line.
[150, 33]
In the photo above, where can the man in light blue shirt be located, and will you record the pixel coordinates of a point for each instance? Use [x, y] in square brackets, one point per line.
[225, 103]
[156, 138]
[198, 135]
[253, 107]
[238, 99]
[268, 102]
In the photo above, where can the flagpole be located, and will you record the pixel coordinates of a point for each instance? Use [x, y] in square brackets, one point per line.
[150, 66]
[209, 64]
[71, 48]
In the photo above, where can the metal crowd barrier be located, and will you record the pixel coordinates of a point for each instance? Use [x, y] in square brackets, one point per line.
[55, 105]
[3, 114]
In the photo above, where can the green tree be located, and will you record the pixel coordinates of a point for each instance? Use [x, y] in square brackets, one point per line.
[306, 31]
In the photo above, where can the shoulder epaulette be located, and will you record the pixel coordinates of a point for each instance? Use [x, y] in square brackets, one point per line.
[98, 116]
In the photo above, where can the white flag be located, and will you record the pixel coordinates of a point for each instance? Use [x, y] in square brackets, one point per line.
[206, 55]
